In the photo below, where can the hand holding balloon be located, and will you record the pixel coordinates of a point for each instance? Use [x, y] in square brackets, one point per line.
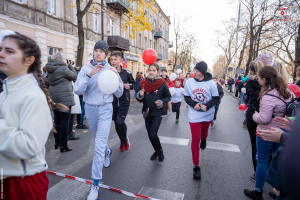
[126, 86]
[95, 70]
[157, 103]
[142, 92]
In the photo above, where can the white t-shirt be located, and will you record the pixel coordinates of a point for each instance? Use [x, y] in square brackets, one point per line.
[177, 96]
[201, 92]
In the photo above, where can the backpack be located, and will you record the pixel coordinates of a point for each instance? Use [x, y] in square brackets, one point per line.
[291, 107]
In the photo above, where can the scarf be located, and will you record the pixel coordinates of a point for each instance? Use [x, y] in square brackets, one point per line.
[151, 87]
[94, 63]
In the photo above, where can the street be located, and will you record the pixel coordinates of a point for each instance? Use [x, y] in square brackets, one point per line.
[225, 164]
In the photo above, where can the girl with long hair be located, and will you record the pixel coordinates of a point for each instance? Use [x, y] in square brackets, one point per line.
[273, 95]
[25, 120]
[154, 94]
[282, 71]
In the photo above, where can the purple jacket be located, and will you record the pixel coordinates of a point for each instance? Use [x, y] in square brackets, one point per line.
[269, 106]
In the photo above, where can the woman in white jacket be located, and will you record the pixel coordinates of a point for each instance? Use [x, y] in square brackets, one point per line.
[25, 120]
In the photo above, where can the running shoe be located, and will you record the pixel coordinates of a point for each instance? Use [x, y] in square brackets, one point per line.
[94, 192]
[122, 147]
[154, 156]
[81, 126]
[107, 160]
[212, 124]
[126, 144]
[203, 144]
[253, 178]
[176, 122]
[196, 172]
[254, 194]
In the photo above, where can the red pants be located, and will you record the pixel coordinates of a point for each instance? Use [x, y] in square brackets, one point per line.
[28, 188]
[199, 131]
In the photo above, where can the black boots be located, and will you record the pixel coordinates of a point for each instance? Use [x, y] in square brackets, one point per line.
[72, 136]
[65, 148]
[203, 144]
[254, 194]
[197, 172]
[56, 146]
[159, 154]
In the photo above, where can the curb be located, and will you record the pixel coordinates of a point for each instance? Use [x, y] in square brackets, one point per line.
[232, 94]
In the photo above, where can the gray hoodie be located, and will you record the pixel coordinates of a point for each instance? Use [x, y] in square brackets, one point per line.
[88, 87]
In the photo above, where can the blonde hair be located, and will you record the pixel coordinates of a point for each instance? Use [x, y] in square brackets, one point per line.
[282, 71]
[255, 66]
[59, 56]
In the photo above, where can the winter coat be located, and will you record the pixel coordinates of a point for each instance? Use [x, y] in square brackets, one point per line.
[221, 92]
[148, 100]
[126, 77]
[2, 77]
[252, 91]
[269, 107]
[60, 77]
[240, 85]
[244, 79]
[166, 79]
[137, 84]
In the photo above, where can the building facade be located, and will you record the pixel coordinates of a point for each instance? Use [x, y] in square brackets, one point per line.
[54, 28]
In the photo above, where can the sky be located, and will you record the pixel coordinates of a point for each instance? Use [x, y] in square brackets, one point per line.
[206, 18]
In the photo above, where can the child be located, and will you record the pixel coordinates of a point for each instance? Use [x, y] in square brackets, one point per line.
[221, 94]
[200, 93]
[176, 99]
[25, 119]
[154, 95]
[98, 109]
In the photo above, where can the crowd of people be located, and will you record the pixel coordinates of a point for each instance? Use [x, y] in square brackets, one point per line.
[63, 94]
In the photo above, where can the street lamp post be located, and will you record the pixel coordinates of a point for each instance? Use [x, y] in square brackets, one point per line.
[237, 39]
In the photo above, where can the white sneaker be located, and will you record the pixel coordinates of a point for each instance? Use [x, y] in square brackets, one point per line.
[94, 192]
[107, 160]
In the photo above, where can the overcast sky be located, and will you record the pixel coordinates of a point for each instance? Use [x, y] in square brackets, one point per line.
[207, 17]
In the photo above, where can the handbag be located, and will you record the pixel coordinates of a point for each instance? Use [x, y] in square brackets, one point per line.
[145, 113]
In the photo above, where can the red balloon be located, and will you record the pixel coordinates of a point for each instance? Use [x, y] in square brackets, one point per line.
[192, 75]
[243, 107]
[125, 66]
[295, 89]
[149, 56]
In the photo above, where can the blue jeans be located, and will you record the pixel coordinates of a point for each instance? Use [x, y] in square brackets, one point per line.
[216, 110]
[282, 197]
[242, 97]
[263, 154]
[135, 94]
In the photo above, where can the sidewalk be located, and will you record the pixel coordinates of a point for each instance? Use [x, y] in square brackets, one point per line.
[232, 94]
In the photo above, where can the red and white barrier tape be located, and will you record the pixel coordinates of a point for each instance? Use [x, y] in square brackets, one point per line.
[100, 185]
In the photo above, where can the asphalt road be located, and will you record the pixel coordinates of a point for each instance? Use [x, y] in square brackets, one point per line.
[225, 165]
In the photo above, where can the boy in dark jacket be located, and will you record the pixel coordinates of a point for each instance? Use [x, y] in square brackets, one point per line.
[221, 94]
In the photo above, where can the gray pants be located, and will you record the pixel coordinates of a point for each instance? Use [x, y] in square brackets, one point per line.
[99, 120]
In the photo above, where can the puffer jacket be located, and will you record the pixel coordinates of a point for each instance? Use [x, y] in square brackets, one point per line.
[270, 107]
[60, 77]
[149, 99]
[252, 91]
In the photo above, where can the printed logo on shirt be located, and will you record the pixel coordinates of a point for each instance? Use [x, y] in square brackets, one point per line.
[200, 95]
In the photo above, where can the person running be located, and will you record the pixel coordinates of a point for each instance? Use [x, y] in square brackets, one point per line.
[155, 95]
[201, 94]
[176, 99]
[25, 119]
[252, 91]
[98, 109]
[121, 104]
[164, 75]
[273, 98]
[221, 94]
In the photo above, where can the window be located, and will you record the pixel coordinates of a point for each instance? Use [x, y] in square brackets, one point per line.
[132, 42]
[53, 7]
[145, 43]
[150, 19]
[154, 25]
[154, 46]
[112, 27]
[75, 13]
[125, 33]
[150, 43]
[166, 52]
[52, 51]
[140, 41]
[163, 52]
[160, 49]
[96, 22]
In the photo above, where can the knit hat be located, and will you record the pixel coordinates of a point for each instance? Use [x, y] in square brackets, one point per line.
[102, 45]
[201, 67]
[265, 58]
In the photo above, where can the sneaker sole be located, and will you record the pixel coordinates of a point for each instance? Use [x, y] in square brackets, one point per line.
[109, 160]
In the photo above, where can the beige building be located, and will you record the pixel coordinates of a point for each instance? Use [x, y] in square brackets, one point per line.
[54, 28]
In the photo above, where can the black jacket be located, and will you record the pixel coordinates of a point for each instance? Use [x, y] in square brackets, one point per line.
[214, 101]
[221, 92]
[124, 100]
[2, 77]
[240, 85]
[252, 92]
[148, 100]
[166, 79]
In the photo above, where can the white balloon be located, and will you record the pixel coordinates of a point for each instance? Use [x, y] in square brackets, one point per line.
[108, 82]
[243, 90]
[172, 91]
[178, 71]
[172, 77]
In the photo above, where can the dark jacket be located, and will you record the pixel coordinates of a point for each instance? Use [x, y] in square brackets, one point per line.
[298, 83]
[231, 82]
[60, 77]
[124, 100]
[167, 78]
[240, 85]
[149, 99]
[214, 101]
[252, 91]
[221, 92]
[2, 77]
[137, 84]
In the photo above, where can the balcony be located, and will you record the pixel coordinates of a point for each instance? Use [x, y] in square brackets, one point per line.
[158, 34]
[118, 5]
[159, 57]
[118, 43]
[170, 44]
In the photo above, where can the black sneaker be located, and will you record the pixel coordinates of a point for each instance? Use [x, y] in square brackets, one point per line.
[81, 126]
[161, 156]
[197, 172]
[253, 178]
[215, 117]
[272, 194]
[254, 194]
[212, 124]
[154, 156]
[176, 122]
[203, 144]
[72, 136]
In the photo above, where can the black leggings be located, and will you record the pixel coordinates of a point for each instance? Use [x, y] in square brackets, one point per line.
[80, 117]
[61, 121]
[121, 128]
[152, 126]
[71, 122]
[176, 108]
[251, 126]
